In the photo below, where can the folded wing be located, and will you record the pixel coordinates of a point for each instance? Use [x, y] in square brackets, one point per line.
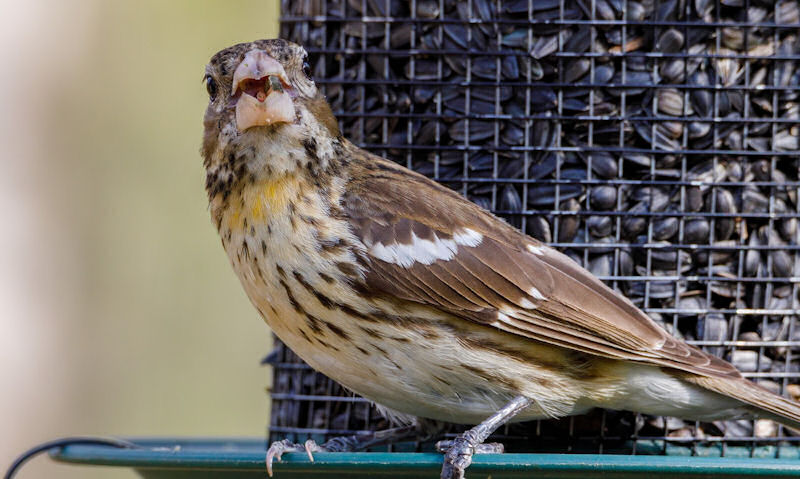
[428, 245]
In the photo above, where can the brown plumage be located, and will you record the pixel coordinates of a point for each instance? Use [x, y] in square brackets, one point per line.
[580, 312]
[412, 296]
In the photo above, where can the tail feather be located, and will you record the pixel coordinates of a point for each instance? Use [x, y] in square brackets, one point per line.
[765, 404]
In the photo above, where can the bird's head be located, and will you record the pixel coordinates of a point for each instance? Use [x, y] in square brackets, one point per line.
[262, 102]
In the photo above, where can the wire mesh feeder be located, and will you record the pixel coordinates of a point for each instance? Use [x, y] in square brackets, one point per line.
[653, 141]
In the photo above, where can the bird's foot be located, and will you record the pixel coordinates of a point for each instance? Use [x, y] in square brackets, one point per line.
[357, 442]
[458, 453]
[277, 448]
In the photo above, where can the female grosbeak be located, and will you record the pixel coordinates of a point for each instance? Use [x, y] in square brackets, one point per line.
[415, 298]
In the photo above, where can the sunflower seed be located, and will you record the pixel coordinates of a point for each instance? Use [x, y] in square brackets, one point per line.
[713, 327]
[665, 228]
[725, 205]
[539, 228]
[603, 197]
[670, 41]
[750, 361]
[600, 226]
[670, 101]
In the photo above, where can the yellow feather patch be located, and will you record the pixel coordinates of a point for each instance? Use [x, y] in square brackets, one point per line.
[257, 201]
[233, 218]
[271, 196]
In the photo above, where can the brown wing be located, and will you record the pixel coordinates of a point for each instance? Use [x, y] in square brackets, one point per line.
[428, 245]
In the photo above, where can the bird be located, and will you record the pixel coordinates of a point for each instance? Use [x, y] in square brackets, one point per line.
[415, 298]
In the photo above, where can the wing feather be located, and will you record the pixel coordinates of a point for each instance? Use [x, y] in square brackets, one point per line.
[506, 279]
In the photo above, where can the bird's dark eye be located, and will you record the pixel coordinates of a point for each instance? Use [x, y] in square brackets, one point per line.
[307, 70]
[211, 87]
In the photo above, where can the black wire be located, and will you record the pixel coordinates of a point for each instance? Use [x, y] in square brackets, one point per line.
[63, 442]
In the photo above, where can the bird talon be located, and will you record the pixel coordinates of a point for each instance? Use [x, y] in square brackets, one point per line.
[277, 448]
[310, 445]
[457, 458]
[458, 455]
[490, 448]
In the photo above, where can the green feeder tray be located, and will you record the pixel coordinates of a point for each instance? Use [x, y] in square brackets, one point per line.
[227, 458]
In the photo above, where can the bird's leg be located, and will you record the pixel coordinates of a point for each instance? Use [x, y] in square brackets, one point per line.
[459, 451]
[356, 442]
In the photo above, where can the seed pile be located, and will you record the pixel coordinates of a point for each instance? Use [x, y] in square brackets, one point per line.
[657, 142]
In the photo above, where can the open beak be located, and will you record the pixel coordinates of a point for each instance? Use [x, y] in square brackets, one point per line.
[261, 91]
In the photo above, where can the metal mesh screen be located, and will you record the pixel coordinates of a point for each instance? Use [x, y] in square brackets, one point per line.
[653, 141]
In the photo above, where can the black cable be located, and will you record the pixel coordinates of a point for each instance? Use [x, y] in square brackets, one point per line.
[63, 442]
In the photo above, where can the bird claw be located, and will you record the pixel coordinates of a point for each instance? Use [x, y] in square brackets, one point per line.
[458, 454]
[277, 448]
[311, 446]
[336, 444]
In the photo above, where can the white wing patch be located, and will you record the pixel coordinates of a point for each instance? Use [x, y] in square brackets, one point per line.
[468, 237]
[535, 294]
[527, 304]
[425, 251]
[535, 249]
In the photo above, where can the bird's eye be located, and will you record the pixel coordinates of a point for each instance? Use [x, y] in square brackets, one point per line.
[307, 70]
[211, 87]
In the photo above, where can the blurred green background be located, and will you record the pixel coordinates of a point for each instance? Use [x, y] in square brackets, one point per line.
[119, 312]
